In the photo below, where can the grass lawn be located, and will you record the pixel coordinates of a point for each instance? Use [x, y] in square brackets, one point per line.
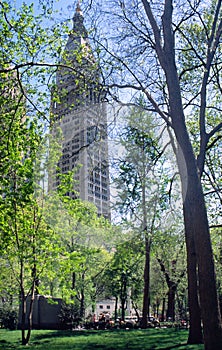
[160, 339]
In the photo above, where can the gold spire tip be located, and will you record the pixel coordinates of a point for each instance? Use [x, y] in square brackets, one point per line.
[78, 9]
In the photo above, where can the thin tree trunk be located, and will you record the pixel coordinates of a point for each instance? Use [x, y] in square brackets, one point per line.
[135, 307]
[123, 297]
[122, 309]
[146, 277]
[163, 310]
[23, 316]
[82, 304]
[30, 313]
[82, 296]
[172, 288]
[73, 280]
[23, 303]
[146, 274]
[116, 308]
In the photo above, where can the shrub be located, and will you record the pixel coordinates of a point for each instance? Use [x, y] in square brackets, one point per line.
[8, 318]
[69, 316]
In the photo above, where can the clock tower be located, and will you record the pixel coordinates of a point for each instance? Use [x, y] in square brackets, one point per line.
[80, 110]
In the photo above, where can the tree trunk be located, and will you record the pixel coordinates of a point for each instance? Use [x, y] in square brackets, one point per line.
[197, 236]
[195, 329]
[157, 308]
[146, 277]
[123, 301]
[82, 304]
[73, 280]
[135, 307]
[27, 314]
[30, 313]
[82, 295]
[163, 310]
[194, 210]
[23, 304]
[172, 288]
[146, 274]
[170, 315]
[123, 296]
[116, 308]
[195, 214]
[197, 240]
[23, 316]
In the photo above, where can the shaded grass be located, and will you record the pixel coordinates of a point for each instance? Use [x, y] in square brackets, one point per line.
[149, 339]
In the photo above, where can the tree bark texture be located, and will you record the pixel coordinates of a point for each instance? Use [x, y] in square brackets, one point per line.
[146, 288]
[170, 314]
[163, 310]
[195, 329]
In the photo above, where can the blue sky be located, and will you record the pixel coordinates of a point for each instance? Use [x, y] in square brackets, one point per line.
[64, 7]
[58, 4]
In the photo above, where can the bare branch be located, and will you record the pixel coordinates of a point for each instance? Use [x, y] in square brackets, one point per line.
[215, 226]
[155, 28]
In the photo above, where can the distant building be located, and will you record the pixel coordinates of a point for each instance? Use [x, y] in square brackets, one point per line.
[46, 313]
[78, 107]
[106, 306]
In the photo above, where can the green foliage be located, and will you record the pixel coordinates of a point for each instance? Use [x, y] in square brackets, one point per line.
[31, 49]
[83, 240]
[26, 238]
[8, 317]
[137, 169]
[45, 238]
[69, 316]
[216, 234]
[124, 271]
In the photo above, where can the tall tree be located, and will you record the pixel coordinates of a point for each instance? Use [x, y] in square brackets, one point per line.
[85, 240]
[139, 193]
[150, 62]
[121, 275]
[25, 238]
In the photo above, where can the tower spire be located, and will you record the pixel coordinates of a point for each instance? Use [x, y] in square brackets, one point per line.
[78, 8]
[78, 26]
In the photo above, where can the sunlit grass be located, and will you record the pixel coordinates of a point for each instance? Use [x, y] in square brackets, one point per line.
[159, 339]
